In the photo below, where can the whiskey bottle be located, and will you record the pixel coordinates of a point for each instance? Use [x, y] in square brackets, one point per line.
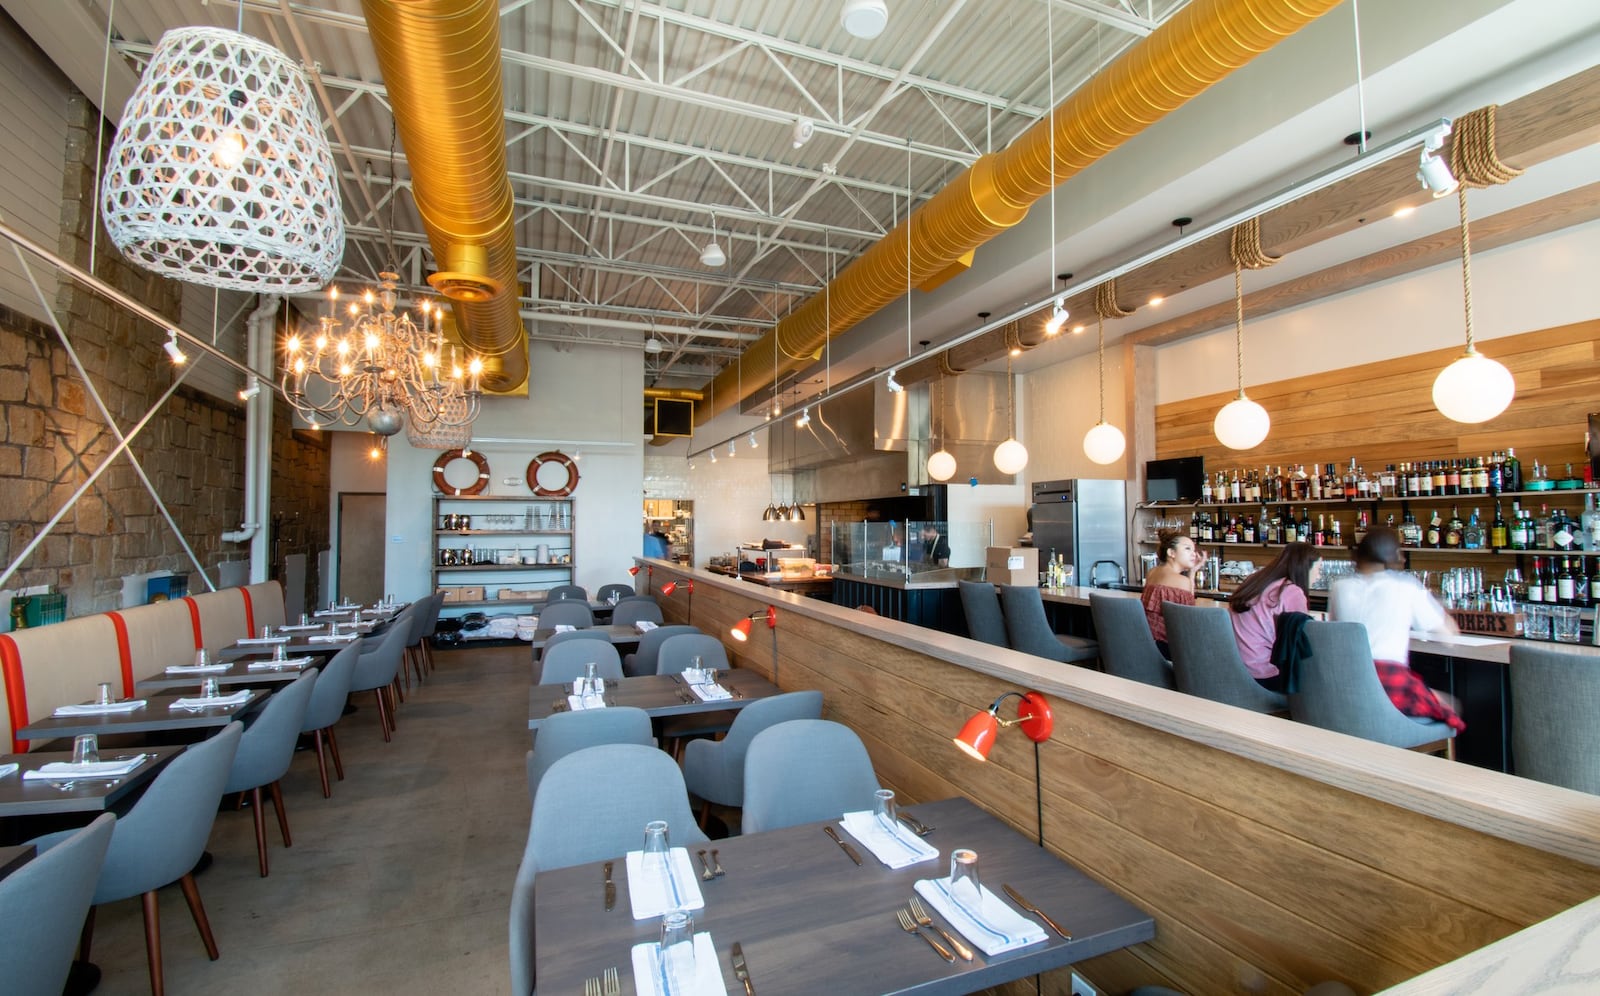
[1472, 536]
[1410, 531]
[1453, 529]
[1435, 534]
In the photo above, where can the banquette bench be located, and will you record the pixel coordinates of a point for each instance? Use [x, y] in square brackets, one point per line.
[51, 666]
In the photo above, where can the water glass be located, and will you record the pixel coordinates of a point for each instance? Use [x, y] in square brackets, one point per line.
[656, 846]
[266, 632]
[965, 885]
[201, 658]
[1536, 623]
[103, 695]
[676, 950]
[280, 652]
[85, 748]
[1564, 624]
[210, 689]
[305, 618]
[883, 809]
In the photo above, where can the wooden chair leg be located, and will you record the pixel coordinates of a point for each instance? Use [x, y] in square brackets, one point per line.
[197, 909]
[395, 684]
[261, 830]
[283, 815]
[152, 942]
[705, 813]
[322, 763]
[383, 714]
[86, 936]
[333, 748]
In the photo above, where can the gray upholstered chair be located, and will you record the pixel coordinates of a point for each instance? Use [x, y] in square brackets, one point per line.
[42, 908]
[327, 707]
[1205, 659]
[570, 612]
[643, 660]
[573, 824]
[1339, 690]
[1029, 631]
[563, 592]
[264, 754]
[678, 652]
[161, 839]
[713, 770]
[805, 770]
[413, 652]
[556, 639]
[569, 732]
[1127, 649]
[409, 621]
[619, 590]
[1555, 696]
[377, 666]
[981, 605]
[634, 610]
[562, 663]
[434, 603]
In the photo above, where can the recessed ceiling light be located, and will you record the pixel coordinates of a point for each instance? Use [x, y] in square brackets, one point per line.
[864, 18]
[1155, 300]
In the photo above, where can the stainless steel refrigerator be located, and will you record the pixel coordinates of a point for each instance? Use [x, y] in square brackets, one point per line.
[1085, 520]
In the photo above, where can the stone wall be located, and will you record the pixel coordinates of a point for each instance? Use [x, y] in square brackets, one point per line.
[53, 437]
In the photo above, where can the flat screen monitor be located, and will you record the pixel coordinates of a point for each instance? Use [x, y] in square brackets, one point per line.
[674, 417]
[1177, 479]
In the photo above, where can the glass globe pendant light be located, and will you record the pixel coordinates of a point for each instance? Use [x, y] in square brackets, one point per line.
[1103, 443]
[1010, 457]
[942, 464]
[1474, 388]
[1242, 424]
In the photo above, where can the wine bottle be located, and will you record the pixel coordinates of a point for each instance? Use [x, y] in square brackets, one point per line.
[1565, 586]
[1536, 581]
[1499, 535]
[1511, 473]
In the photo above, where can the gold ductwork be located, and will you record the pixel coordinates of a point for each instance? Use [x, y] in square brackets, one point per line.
[1195, 48]
[441, 65]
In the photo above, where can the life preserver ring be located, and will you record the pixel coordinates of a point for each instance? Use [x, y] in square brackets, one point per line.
[557, 457]
[446, 488]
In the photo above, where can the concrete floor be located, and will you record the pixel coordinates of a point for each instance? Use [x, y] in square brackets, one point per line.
[400, 883]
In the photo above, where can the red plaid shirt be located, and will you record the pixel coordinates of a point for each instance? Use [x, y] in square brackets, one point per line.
[1412, 696]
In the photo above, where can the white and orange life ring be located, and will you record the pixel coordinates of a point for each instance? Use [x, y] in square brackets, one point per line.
[444, 487]
[560, 459]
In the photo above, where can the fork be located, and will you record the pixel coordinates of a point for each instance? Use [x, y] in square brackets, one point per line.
[706, 875]
[909, 926]
[591, 987]
[918, 827]
[612, 985]
[920, 914]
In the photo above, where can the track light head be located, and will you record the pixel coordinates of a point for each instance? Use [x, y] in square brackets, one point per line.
[1058, 318]
[753, 444]
[804, 419]
[1432, 171]
[174, 351]
[892, 384]
[253, 389]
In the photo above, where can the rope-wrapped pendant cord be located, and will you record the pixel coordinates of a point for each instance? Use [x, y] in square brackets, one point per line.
[1244, 246]
[1100, 327]
[1475, 163]
[1105, 306]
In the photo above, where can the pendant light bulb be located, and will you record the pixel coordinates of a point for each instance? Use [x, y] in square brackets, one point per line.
[941, 466]
[1241, 424]
[1010, 457]
[1104, 443]
[1473, 389]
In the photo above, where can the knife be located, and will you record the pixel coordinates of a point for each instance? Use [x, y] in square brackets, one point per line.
[848, 850]
[741, 971]
[611, 890]
[1036, 911]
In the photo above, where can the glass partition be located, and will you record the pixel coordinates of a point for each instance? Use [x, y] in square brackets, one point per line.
[908, 550]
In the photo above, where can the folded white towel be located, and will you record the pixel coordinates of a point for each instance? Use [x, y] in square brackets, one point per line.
[341, 611]
[652, 893]
[328, 638]
[644, 625]
[295, 663]
[62, 770]
[564, 628]
[256, 641]
[578, 703]
[198, 668]
[6, 770]
[711, 693]
[200, 702]
[577, 685]
[651, 976]
[302, 627]
[993, 926]
[98, 709]
[896, 848]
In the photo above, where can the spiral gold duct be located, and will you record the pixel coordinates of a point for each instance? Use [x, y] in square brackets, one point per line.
[441, 65]
[1195, 48]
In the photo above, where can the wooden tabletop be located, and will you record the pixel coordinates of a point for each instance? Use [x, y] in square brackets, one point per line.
[811, 921]
[238, 673]
[657, 694]
[14, 857]
[155, 715]
[616, 634]
[31, 798]
[297, 646]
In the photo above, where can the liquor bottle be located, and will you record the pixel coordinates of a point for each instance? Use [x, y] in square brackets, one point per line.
[1410, 531]
[1566, 591]
[1452, 478]
[1334, 538]
[1439, 477]
[1497, 473]
[1248, 534]
[1315, 481]
[1453, 529]
[1320, 536]
[1413, 481]
[1349, 491]
[1472, 536]
[1303, 527]
[1480, 480]
[1594, 584]
[1435, 535]
[1511, 471]
[1363, 524]
[1551, 581]
[1569, 481]
[1541, 529]
[1536, 581]
[1499, 535]
[1590, 524]
[1562, 534]
[1205, 490]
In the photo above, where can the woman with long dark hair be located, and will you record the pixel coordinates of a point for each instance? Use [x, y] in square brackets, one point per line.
[1172, 580]
[1255, 605]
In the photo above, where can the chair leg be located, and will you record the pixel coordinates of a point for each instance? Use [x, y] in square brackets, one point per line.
[705, 813]
[86, 936]
[333, 748]
[283, 816]
[322, 763]
[383, 714]
[197, 909]
[261, 830]
[152, 942]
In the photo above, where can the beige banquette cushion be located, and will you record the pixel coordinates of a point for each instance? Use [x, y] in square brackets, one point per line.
[50, 666]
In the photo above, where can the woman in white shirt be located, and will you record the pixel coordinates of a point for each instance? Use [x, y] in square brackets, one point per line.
[1390, 604]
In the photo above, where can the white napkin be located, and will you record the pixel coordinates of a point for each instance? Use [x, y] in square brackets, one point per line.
[564, 628]
[336, 612]
[577, 685]
[9, 769]
[198, 668]
[287, 662]
[248, 641]
[88, 769]
[994, 927]
[649, 981]
[301, 627]
[578, 703]
[652, 895]
[897, 848]
[201, 702]
[327, 638]
[97, 709]
[711, 693]
[644, 625]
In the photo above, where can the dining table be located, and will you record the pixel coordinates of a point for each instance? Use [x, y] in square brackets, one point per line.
[618, 635]
[299, 644]
[28, 797]
[808, 919]
[15, 856]
[659, 695]
[155, 716]
[238, 672]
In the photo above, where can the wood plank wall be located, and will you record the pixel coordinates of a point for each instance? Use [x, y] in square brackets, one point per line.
[1261, 880]
[1382, 413]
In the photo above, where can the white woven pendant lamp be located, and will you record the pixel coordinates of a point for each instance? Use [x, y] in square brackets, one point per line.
[220, 174]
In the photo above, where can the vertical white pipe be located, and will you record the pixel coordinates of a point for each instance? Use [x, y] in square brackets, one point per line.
[258, 439]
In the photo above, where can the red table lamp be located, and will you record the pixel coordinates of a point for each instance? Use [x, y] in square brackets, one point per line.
[1034, 717]
[671, 588]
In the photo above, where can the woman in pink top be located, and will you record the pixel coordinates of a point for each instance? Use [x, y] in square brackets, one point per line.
[1172, 580]
[1277, 588]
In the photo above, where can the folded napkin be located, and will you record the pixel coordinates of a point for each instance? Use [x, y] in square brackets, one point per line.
[711, 693]
[98, 709]
[578, 703]
[60, 770]
[644, 625]
[201, 702]
[577, 685]
[654, 894]
[288, 662]
[301, 627]
[650, 971]
[564, 628]
[993, 926]
[329, 638]
[896, 848]
[198, 668]
[256, 641]
[9, 769]
[336, 612]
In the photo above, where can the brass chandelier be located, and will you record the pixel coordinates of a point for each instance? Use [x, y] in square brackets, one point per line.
[385, 368]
